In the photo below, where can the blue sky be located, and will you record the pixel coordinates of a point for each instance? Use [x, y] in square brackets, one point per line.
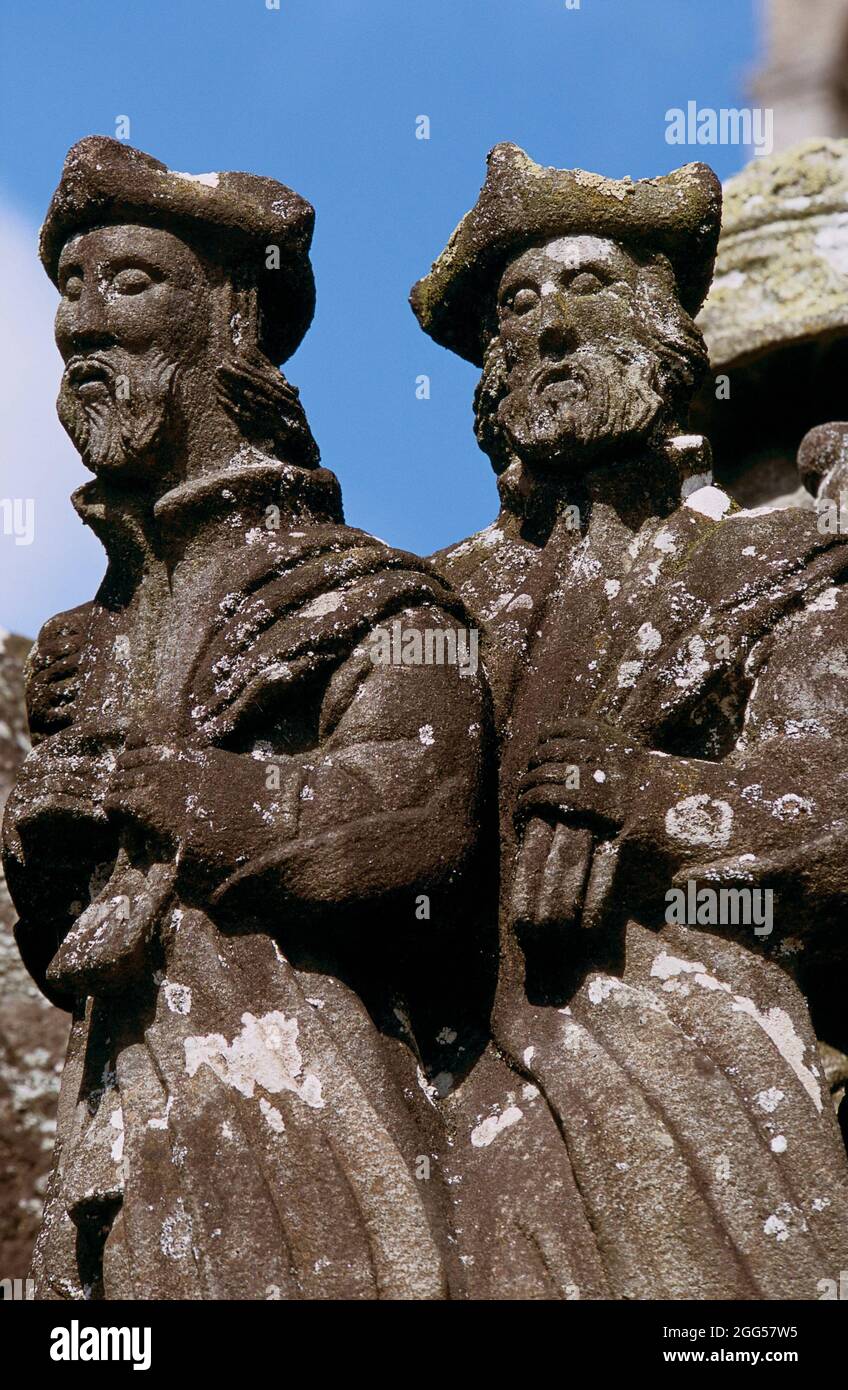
[324, 95]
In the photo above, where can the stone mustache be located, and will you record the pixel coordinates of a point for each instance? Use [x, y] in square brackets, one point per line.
[373, 990]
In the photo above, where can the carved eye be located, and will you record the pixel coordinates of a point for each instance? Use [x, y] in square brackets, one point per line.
[133, 280]
[523, 301]
[73, 287]
[586, 283]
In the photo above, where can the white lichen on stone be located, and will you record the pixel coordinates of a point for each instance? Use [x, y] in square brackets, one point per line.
[488, 1130]
[769, 1100]
[700, 820]
[177, 997]
[264, 1054]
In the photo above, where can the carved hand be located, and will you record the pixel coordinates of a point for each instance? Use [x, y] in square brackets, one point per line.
[584, 773]
[53, 683]
[155, 789]
[56, 784]
[200, 804]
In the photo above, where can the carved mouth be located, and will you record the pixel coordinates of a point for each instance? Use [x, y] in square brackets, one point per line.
[88, 376]
[561, 384]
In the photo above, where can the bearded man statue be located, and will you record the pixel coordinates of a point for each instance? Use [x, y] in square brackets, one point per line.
[242, 849]
[670, 687]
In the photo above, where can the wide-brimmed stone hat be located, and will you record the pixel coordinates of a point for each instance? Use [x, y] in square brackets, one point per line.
[522, 203]
[233, 217]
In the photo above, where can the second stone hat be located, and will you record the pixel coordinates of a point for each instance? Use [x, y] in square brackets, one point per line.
[523, 203]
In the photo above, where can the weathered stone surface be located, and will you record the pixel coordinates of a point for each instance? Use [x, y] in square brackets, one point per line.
[14, 738]
[670, 693]
[33, 1035]
[782, 267]
[776, 318]
[823, 461]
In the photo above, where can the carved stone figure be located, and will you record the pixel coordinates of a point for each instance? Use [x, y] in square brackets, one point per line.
[243, 852]
[670, 679]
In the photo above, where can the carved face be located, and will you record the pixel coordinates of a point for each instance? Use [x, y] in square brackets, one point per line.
[133, 313]
[581, 372]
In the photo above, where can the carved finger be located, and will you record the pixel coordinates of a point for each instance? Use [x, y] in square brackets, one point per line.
[124, 801]
[54, 652]
[61, 670]
[590, 778]
[49, 807]
[130, 780]
[532, 858]
[736, 871]
[564, 876]
[44, 790]
[545, 774]
[600, 885]
[593, 730]
[561, 751]
[136, 758]
[549, 797]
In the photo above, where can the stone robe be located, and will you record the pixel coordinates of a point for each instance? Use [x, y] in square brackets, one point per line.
[652, 1120]
[247, 1109]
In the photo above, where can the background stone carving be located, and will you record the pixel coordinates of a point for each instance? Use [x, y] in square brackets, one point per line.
[33, 1035]
[803, 76]
[776, 319]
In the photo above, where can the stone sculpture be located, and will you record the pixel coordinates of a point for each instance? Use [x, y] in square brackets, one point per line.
[346, 1023]
[232, 817]
[670, 692]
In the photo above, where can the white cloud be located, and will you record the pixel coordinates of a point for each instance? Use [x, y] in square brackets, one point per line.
[64, 563]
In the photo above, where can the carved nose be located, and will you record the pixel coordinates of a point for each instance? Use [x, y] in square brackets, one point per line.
[554, 339]
[84, 327]
[89, 340]
[555, 333]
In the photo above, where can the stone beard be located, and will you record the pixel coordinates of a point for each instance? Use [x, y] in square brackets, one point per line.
[120, 409]
[117, 406]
